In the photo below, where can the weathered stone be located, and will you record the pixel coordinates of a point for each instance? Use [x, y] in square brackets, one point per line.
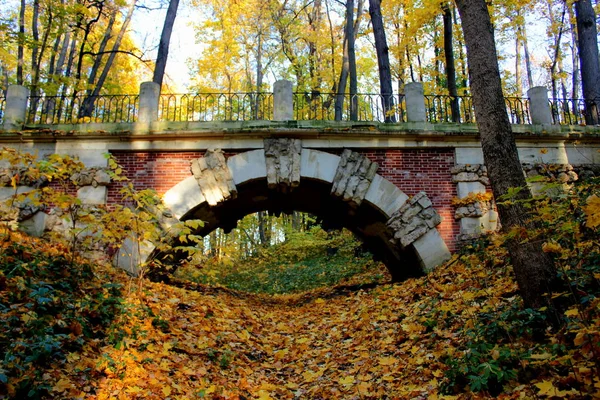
[92, 195]
[34, 226]
[353, 177]
[465, 177]
[282, 157]
[214, 177]
[412, 220]
[101, 178]
[83, 178]
[485, 180]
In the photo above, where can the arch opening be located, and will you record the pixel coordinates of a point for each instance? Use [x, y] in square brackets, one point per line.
[312, 196]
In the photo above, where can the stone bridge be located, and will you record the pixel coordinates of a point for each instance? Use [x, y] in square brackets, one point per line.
[393, 184]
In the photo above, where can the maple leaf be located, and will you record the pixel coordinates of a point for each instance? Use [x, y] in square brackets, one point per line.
[592, 211]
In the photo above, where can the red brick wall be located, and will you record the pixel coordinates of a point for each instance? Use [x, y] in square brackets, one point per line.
[425, 170]
[411, 170]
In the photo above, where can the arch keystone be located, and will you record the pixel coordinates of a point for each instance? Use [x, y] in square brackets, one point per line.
[214, 177]
[353, 177]
[282, 157]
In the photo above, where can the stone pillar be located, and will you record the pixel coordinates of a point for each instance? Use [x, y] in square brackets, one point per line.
[539, 107]
[149, 94]
[415, 102]
[15, 110]
[283, 101]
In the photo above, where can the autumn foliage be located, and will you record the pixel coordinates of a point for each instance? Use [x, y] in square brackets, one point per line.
[72, 328]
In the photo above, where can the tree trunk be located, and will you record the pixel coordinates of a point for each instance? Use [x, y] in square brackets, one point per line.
[527, 58]
[588, 56]
[534, 269]
[383, 60]
[450, 69]
[341, 87]
[352, 61]
[575, 64]
[88, 103]
[165, 39]
[21, 41]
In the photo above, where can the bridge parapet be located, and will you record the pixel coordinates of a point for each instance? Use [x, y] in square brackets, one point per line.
[142, 111]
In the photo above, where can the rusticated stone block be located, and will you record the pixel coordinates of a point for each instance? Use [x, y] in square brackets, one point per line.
[353, 177]
[91, 177]
[413, 220]
[470, 173]
[282, 157]
[214, 177]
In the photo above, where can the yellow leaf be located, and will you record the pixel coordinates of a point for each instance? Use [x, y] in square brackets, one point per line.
[349, 380]
[319, 301]
[62, 385]
[543, 356]
[546, 388]
[211, 389]
[592, 211]
[387, 360]
[572, 312]
[166, 390]
[134, 389]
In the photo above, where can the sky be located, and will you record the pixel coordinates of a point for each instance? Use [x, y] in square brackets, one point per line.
[147, 27]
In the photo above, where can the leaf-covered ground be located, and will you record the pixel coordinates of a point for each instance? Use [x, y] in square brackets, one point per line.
[392, 341]
[71, 330]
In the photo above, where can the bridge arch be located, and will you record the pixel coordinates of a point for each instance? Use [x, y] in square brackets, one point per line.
[344, 191]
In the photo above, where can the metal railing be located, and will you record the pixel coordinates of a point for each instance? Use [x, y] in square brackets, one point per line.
[72, 109]
[567, 111]
[370, 107]
[439, 109]
[459, 109]
[215, 107]
[307, 106]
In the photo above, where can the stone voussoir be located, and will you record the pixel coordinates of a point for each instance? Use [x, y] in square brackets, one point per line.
[353, 177]
[214, 177]
[413, 220]
[283, 159]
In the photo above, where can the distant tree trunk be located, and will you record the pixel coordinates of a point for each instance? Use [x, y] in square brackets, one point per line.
[518, 77]
[534, 269]
[527, 57]
[21, 42]
[348, 64]
[352, 62]
[450, 69]
[383, 60]
[88, 103]
[588, 56]
[341, 86]
[165, 40]
[262, 228]
[575, 64]
[108, 33]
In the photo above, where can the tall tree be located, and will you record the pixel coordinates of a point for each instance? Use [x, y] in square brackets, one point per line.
[383, 60]
[588, 55]
[165, 40]
[534, 269]
[449, 56]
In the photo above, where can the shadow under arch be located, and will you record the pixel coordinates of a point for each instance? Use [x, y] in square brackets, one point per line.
[313, 195]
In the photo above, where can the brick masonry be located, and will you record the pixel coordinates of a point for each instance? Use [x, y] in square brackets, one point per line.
[411, 171]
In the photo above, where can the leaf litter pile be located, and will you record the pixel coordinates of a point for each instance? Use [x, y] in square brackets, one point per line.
[459, 332]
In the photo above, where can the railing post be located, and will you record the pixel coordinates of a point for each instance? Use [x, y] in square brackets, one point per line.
[149, 94]
[15, 110]
[539, 106]
[283, 101]
[415, 102]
